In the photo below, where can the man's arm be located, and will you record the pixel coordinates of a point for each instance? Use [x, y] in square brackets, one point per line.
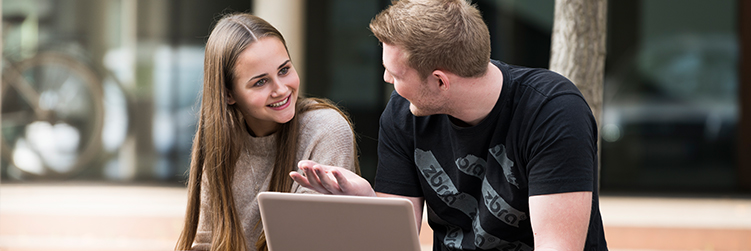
[560, 221]
[417, 204]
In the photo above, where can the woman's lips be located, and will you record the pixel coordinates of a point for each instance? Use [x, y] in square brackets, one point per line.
[280, 103]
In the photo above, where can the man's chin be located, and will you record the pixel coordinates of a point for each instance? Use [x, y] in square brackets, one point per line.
[416, 111]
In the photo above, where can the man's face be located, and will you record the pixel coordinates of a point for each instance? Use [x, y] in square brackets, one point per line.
[407, 82]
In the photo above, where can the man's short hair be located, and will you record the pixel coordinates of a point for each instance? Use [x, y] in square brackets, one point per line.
[436, 35]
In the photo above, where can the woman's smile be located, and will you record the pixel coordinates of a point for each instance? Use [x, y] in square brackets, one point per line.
[281, 104]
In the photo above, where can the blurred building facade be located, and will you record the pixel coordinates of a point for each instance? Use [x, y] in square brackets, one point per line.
[125, 88]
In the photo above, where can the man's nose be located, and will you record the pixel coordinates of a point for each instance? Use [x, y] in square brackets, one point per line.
[387, 77]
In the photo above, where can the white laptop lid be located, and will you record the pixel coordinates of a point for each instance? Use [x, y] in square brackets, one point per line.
[294, 222]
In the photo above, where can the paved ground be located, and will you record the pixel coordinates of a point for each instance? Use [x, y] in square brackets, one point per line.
[663, 223]
[111, 217]
[90, 217]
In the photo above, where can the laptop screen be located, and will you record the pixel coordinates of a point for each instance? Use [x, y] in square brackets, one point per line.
[334, 222]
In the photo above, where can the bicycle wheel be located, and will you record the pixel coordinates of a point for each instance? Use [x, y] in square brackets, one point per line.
[52, 112]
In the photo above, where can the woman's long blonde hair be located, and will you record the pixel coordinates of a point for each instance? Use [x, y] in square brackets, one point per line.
[215, 148]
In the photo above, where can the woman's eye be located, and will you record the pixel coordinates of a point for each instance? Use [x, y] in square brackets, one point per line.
[260, 82]
[284, 71]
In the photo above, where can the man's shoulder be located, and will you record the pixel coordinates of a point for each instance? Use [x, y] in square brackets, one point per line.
[397, 117]
[542, 81]
[397, 107]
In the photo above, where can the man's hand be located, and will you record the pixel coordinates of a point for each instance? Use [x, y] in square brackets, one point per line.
[331, 179]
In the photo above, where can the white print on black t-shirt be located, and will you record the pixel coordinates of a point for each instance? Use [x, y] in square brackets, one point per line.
[472, 165]
[440, 182]
[454, 236]
[487, 241]
[500, 209]
[499, 153]
[442, 185]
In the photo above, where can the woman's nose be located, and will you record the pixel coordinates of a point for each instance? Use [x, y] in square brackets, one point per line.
[279, 88]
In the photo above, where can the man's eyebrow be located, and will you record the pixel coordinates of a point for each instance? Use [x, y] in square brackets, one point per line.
[387, 69]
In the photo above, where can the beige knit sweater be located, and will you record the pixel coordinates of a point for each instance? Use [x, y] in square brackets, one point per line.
[325, 137]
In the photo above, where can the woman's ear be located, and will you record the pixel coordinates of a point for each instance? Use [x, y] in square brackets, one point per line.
[230, 99]
[443, 79]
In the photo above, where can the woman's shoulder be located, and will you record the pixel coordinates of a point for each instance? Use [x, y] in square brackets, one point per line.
[323, 120]
[320, 115]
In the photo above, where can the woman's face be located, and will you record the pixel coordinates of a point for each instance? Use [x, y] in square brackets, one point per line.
[265, 86]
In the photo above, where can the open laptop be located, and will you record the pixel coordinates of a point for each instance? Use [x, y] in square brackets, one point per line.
[295, 222]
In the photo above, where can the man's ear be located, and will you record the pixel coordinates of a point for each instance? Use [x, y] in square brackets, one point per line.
[443, 79]
[230, 99]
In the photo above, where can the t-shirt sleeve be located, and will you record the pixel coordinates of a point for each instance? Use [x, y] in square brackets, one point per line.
[562, 147]
[396, 173]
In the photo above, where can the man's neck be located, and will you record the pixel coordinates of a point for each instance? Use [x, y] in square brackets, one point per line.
[476, 97]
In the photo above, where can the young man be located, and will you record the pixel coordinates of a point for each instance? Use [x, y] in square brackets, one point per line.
[504, 157]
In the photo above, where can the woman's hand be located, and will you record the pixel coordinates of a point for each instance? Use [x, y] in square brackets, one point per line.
[331, 179]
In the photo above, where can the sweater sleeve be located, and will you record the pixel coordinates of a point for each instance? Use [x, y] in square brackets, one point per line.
[327, 138]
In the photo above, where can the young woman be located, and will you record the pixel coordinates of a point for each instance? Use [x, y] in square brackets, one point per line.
[252, 130]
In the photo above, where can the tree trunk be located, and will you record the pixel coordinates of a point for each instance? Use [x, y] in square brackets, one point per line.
[1, 67]
[578, 48]
[744, 97]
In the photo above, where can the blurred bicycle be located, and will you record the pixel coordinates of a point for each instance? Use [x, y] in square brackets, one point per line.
[52, 114]
[60, 115]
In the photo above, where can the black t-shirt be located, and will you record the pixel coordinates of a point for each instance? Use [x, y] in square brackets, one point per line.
[540, 138]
